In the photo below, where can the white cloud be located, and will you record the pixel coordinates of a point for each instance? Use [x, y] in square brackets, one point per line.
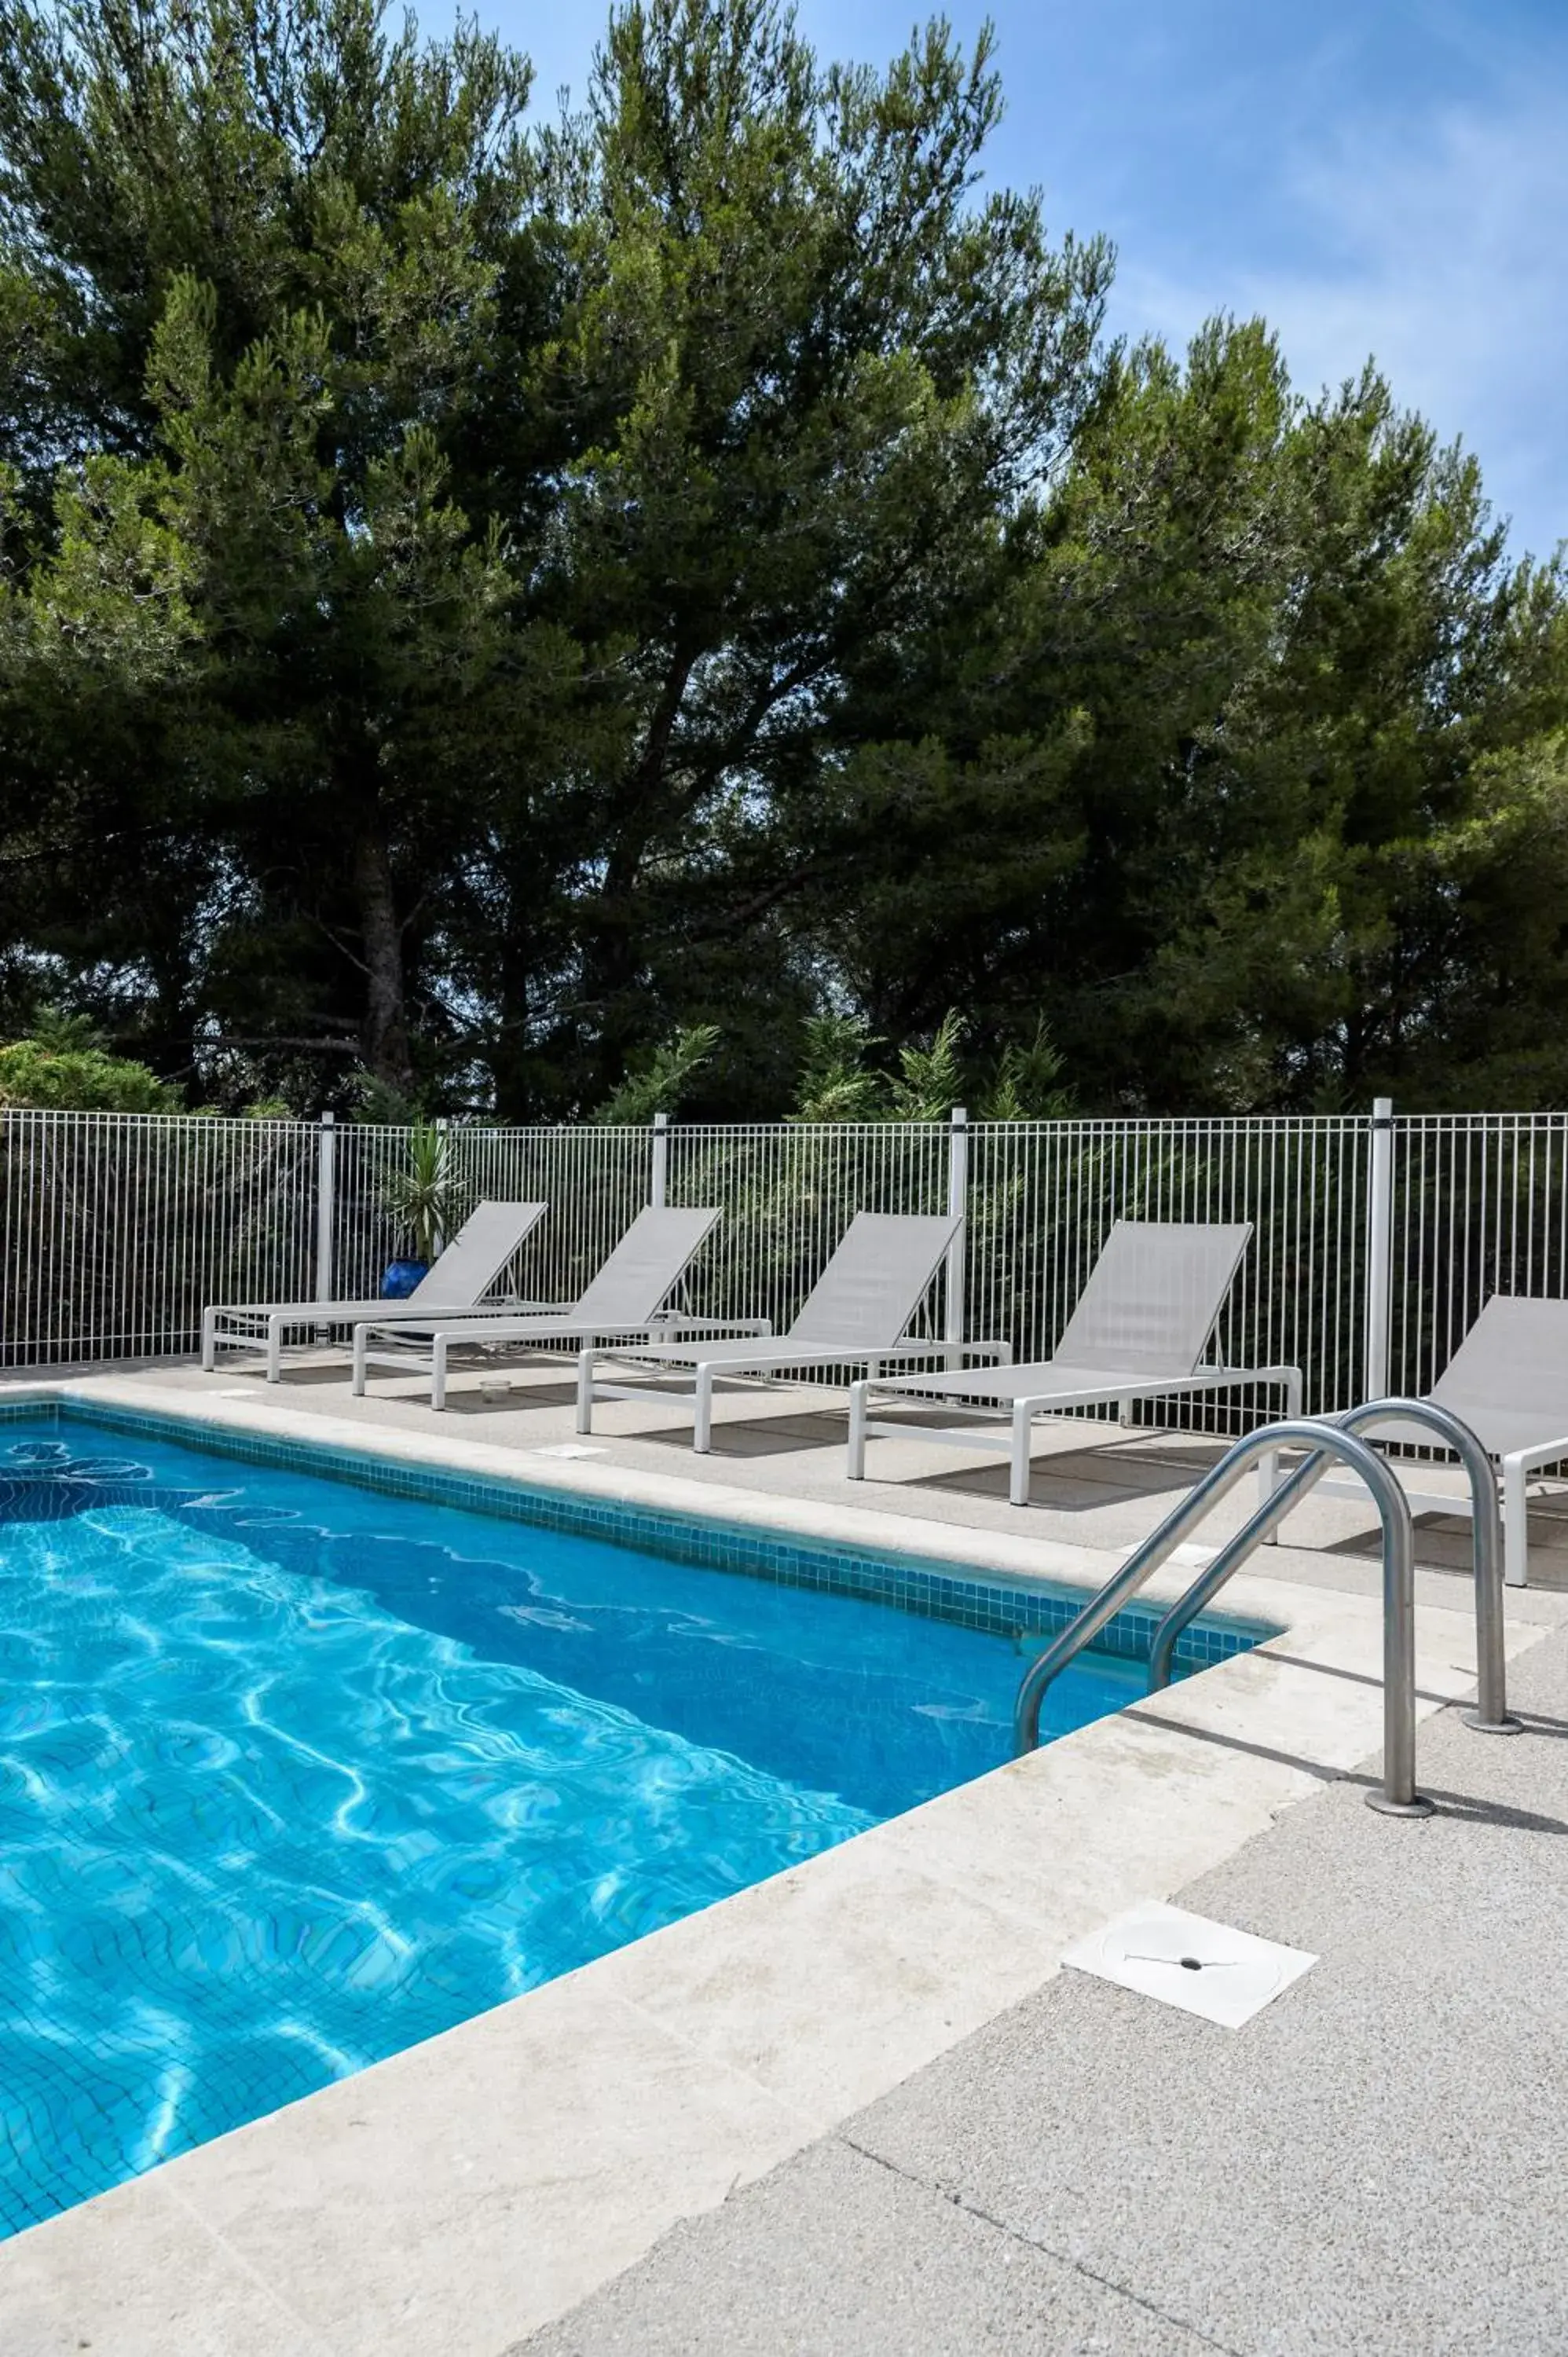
[1442, 249]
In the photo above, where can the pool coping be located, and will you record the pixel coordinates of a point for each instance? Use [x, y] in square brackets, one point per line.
[451, 2200]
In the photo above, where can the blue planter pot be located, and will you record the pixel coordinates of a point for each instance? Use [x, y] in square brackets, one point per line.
[399, 1276]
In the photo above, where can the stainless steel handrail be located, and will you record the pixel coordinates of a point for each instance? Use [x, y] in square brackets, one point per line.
[1397, 1796]
[1490, 1715]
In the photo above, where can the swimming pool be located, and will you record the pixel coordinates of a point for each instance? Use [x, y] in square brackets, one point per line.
[295, 1773]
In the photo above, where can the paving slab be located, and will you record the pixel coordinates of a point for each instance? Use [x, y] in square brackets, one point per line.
[835, 2252]
[1373, 2164]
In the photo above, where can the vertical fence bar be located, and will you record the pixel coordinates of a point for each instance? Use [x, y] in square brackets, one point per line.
[326, 1193]
[1379, 1249]
[957, 1202]
[659, 1177]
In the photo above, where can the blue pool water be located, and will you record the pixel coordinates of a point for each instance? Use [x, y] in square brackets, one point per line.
[293, 1774]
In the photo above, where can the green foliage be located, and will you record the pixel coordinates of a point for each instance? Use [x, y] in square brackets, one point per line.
[423, 1197]
[65, 1065]
[1212, 786]
[376, 1101]
[1027, 1084]
[477, 595]
[928, 1081]
[35, 1072]
[662, 1081]
[836, 1084]
[65, 1031]
[258, 251]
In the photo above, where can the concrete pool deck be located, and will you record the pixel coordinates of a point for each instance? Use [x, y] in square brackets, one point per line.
[1372, 2164]
[465, 2193]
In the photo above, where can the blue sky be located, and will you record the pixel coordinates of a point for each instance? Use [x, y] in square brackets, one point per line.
[1383, 177]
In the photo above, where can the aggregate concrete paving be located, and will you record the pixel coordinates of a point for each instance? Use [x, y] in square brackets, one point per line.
[1375, 2163]
[836, 2250]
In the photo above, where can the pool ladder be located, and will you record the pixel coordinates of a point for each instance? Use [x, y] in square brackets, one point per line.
[1328, 1439]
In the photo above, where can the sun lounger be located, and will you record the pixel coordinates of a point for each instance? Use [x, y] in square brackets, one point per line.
[1509, 1381]
[857, 1315]
[625, 1300]
[1140, 1326]
[488, 1238]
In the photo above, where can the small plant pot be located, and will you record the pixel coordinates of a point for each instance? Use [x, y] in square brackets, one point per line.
[399, 1276]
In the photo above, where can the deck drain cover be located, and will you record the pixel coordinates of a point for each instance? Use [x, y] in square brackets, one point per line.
[567, 1448]
[1185, 1960]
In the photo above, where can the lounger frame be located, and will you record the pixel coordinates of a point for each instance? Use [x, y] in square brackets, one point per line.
[487, 1242]
[855, 1317]
[622, 1302]
[1507, 1380]
[1138, 1332]
[1028, 1408]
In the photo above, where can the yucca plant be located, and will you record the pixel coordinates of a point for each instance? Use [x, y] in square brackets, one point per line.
[423, 1194]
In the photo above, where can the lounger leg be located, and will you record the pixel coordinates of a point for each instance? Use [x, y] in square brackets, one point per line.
[275, 1349]
[1516, 1524]
[438, 1371]
[1125, 1411]
[1018, 1487]
[857, 1399]
[208, 1339]
[1269, 1474]
[361, 1338]
[703, 1424]
[586, 1390]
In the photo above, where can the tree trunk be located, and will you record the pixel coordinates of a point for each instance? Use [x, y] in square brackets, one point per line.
[507, 1058]
[385, 1029]
[613, 951]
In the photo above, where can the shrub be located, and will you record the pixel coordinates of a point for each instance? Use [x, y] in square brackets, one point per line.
[32, 1072]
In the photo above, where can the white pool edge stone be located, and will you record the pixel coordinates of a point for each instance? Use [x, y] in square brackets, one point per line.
[453, 2198]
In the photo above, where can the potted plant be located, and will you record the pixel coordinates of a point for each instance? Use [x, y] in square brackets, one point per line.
[422, 1198]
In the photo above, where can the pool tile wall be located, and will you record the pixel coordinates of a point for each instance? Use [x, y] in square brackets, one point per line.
[971, 1599]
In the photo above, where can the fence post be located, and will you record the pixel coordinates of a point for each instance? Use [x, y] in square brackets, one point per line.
[958, 1201]
[659, 1179]
[1380, 1248]
[443, 1126]
[325, 1190]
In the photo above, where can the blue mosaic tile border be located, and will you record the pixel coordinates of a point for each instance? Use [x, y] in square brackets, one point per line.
[975, 1600]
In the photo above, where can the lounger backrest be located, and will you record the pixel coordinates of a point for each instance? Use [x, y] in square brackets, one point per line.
[644, 1268]
[476, 1255]
[1153, 1296]
[875, 1282]
[1512, 1364]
